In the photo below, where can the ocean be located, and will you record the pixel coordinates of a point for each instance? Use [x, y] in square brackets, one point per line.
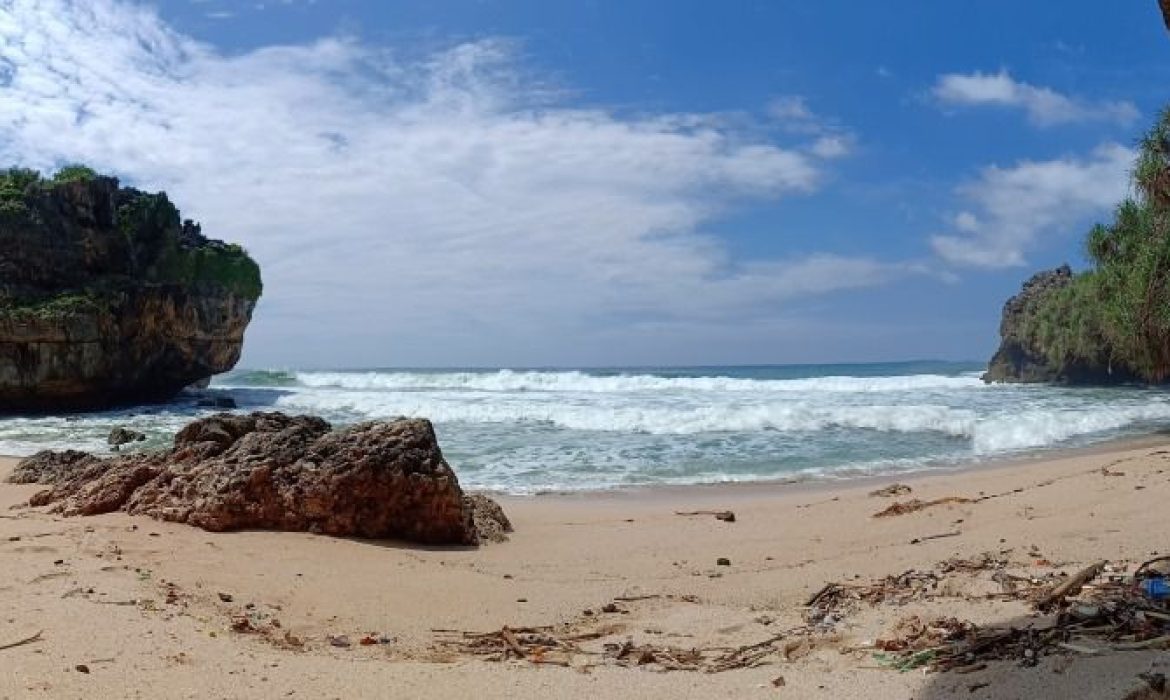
[531, 431]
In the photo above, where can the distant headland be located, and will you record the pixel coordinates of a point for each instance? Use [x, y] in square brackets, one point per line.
[1111, 323]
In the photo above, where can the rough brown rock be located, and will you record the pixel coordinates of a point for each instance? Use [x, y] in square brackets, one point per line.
[490, 521]
[107, 297]
[279, 472]
[49, 467]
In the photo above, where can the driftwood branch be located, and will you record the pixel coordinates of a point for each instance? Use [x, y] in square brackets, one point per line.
[1072, 585]
[21, 642]
[724, 515]
[512, 642]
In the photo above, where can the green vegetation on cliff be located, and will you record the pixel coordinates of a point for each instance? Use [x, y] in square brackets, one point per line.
[157, 247]
[1116, 314]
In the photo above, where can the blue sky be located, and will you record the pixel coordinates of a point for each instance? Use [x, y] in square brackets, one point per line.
[604, 183]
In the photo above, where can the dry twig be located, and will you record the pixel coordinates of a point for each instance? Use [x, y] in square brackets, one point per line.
[21, 642]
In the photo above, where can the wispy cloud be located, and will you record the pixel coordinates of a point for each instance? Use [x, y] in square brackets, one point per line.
[402, 208]
[1011, 208]
[1043, 106]
[793, 115]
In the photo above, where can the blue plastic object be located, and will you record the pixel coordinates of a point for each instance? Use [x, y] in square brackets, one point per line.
[1156, 588]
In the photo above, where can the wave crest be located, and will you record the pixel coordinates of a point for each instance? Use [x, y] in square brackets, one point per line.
[578, 381]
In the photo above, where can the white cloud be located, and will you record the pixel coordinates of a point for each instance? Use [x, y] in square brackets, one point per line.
[829, 147]
[404, 210]
[792, 114]
[1015, 206]
[791, 108]
[1044, 107]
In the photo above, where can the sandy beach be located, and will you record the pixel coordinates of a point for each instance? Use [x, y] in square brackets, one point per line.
[132, 607]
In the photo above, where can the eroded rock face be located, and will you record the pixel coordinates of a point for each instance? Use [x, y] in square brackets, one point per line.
[49, 467]
[490, 521]
[279, 472]
[1017, 360]
[106, 297]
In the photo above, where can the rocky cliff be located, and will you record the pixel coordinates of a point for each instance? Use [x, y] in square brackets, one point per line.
[1022, 357]
[107, 297]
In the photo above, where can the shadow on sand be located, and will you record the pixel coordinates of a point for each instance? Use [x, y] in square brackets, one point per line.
[1110, 675]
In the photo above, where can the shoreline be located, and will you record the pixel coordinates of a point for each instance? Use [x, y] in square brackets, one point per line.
[766, 488]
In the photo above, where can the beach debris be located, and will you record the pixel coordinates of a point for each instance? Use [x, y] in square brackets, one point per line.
[1086, 616]
[994, 561]
[81, 668]
[726, 516]
[21, 642]
[339, 640]
[919, 540]
[226, 597]
[722, 561]
[914, 505]
[560, 646]
[892, 490]
[1071, 586]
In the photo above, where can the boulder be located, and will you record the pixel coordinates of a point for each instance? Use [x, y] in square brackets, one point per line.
[108, 298]
[490, 521]
[278, 472]
[121, 436]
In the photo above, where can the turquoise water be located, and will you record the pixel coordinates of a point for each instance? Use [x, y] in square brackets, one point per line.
[527, 431]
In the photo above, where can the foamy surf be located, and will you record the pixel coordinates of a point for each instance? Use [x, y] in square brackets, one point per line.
[528, 431]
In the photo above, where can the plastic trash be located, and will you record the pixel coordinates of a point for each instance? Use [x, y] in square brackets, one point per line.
[1155, 588]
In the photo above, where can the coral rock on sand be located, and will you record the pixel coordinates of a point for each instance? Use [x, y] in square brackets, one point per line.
[490, 521]
[48, 467]
[279, 472]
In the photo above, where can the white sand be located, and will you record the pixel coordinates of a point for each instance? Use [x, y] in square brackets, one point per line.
[75, 580]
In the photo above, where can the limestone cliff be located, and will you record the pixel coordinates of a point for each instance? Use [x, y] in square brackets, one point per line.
[107, 297]
[1021, 356]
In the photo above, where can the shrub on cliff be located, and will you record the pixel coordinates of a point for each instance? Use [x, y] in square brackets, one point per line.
[1116, 314]
[74, 173]
[164, 249]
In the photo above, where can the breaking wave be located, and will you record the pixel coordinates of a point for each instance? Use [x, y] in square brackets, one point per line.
[527, 431]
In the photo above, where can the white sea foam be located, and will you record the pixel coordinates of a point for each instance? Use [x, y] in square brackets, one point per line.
[1029, 429]
[658, 419]
[575, 381]
[531, 431]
